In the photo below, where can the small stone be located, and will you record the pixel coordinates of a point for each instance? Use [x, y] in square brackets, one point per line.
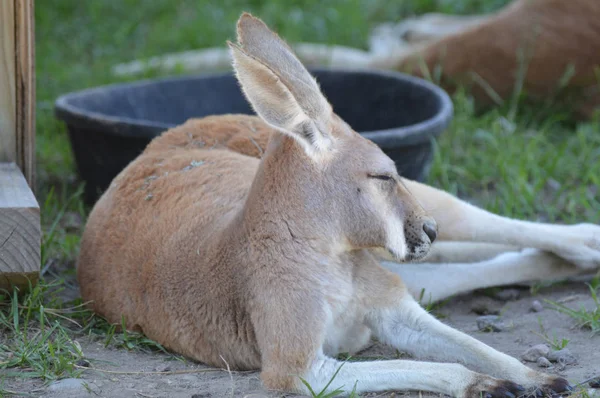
[71, 385]
[595, 383]
[563, 357]
[83, 363]
[543, 362]
[490, 323]
[508, 294]
[536, 306]
[593, 393]
[485, 306]
[552, 183]
[536, 352]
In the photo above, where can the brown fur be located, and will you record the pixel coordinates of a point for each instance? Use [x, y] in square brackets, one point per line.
[268, 263]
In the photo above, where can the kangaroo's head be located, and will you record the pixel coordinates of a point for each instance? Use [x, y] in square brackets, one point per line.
[318, 172]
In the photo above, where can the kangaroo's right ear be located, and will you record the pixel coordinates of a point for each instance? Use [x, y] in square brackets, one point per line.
[280, 89]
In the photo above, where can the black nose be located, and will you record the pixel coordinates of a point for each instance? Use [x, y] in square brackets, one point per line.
[430, 228]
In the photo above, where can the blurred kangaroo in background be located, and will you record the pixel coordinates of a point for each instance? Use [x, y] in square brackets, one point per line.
[540, 46]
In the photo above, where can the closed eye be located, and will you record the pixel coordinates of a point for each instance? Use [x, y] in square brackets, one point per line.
[383, 177]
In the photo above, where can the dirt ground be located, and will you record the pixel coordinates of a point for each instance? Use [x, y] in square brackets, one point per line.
[130, 374]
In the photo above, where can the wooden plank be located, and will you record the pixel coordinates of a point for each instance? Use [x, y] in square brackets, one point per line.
[8, 100]
[25, 88]
[17, 86]
[20, 231]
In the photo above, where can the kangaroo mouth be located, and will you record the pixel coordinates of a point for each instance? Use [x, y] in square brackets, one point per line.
[397, 256]
[410, 255]
[418, 252]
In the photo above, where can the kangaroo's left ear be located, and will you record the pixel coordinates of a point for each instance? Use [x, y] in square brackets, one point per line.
[280, 89]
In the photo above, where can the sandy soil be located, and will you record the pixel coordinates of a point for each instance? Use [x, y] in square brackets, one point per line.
[131, 372]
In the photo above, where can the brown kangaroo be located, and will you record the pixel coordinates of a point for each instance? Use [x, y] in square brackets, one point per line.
[542, 46]
[271, 263]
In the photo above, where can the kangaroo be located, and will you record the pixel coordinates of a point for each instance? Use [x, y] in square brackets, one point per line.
[257, 240]
[542, 46]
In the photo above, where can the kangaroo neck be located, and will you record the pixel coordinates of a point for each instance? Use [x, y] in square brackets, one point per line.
[284, 204]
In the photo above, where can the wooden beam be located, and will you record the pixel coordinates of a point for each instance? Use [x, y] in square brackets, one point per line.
[20, 232]
[25, 88]
[8, 92]
[17, 86]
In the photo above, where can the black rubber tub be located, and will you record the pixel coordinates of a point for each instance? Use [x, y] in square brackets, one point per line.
[109, 126]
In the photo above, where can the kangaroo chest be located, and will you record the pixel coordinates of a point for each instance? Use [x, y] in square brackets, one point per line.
[346, 331]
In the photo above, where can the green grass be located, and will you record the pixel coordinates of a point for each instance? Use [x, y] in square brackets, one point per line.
[35, 342]
[555, 343]
[324, 393]
[432, 307]
[586, 319]
[519, 160]
[524, 168]
[39, 333]
[126, 339]
[582, 392]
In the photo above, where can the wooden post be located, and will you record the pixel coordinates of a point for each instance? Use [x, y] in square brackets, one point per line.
[20, 232]
[17, 86]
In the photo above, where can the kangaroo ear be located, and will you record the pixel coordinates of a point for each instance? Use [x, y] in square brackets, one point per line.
[280, 89]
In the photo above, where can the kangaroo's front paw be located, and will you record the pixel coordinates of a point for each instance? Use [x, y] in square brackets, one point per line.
[580, 245]
[489, 387]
